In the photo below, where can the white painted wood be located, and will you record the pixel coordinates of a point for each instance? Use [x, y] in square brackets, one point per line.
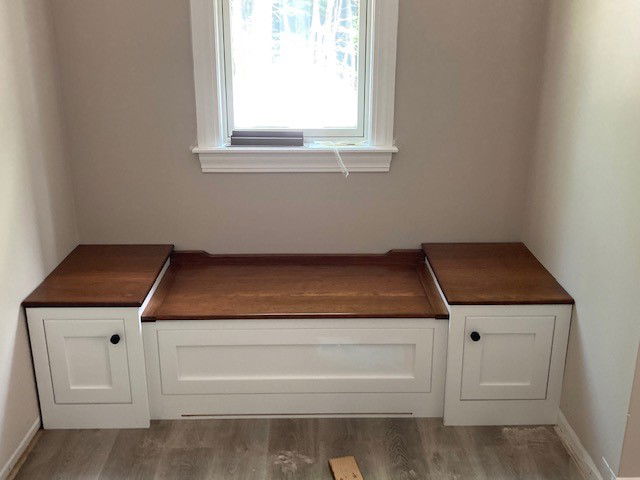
[208, 69]
[294, 159]
[504, 411]
[6, 469]
[608, 474]
[461, 404]
[295, 360]
[85, 366]
[385, 367]
[574, 446]
[90, 414]
[511, 359]
[287, 405]
[382, 88]
[211, 102]
[57, 415]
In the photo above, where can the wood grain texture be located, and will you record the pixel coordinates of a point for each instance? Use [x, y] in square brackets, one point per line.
[393, 257]
[198, 286]
[385, 449]
[71, 453]
[102, 276]
[345, 468]
[492, 274]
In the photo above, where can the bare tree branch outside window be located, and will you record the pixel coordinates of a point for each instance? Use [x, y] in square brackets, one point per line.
[295, 63]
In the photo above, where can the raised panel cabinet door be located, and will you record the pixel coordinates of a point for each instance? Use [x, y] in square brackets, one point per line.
[506, 358]
[88, 361]
[200, 362]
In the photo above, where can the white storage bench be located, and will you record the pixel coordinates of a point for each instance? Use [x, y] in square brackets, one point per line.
[508, 334]
[86, 337]
[343, 335]
[474, 333]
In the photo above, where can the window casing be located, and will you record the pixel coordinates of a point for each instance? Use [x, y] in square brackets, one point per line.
[367, 147]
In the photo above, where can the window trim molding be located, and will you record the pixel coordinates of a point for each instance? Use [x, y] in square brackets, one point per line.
[209, 78]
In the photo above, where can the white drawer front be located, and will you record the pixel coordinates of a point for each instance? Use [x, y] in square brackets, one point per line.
[510, 360]
[295, 360]
[85, 366]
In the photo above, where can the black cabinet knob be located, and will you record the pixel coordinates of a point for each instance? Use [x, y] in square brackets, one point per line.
[475, 336]
[115, 339]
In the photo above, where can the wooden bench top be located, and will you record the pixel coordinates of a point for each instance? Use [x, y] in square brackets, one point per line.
[102, 276]
[492, 274]
[199, 286]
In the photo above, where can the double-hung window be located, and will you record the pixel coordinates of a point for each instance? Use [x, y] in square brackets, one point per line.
[297, 64]
[325, 67]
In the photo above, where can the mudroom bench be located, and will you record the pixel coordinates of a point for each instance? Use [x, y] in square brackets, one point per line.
[296, 336]
[124, 334]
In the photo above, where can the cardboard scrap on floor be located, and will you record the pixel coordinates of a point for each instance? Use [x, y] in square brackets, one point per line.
[345, 468]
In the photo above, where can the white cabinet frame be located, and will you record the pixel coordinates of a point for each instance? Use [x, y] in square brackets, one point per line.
[97, 411]
[458, 411]
[61, 415]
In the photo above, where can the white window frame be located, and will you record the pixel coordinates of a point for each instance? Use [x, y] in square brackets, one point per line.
[372, 153]
[354, 135]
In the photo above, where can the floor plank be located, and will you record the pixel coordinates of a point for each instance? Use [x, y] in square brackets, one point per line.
[68, 454]
[232, 448]
[276, 449]
[136, 454]
[360, 438]
[450, 453]
[404, 455]
[294, 450]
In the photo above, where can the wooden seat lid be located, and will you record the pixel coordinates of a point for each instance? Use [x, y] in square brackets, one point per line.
[492, 274]
[199, 286]
[102, 276]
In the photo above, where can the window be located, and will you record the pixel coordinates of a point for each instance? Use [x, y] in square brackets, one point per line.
[296, 64]
[326, 67]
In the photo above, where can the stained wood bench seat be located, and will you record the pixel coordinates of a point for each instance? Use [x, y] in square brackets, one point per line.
[102, 276]
[199, 286]
[493, 274]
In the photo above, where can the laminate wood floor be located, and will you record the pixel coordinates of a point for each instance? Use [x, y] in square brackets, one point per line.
[385, 449]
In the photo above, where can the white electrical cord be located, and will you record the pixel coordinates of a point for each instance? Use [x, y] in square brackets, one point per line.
[343, 167]
[336, 152]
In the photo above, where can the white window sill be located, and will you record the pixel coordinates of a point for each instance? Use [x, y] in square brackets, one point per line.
[294, 159]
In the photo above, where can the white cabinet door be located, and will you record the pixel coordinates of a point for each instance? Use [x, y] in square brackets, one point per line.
[88, 364]
[201, 362]
[506, 358]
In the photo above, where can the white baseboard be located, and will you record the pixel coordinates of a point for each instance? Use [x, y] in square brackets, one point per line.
[577, 451]
[607, 468]
[24, 444]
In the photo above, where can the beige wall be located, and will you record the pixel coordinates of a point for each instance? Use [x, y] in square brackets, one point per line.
[36, 210]
[583, 217]
[466, 101]
[630, 463]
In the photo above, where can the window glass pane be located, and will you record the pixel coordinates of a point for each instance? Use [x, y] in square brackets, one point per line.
[295, 63]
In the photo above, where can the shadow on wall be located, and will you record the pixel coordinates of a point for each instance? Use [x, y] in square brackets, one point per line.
[583, 206]
[36, 207]
[630, 463]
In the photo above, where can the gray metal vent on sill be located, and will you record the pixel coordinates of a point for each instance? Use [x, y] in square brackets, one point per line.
[267, 138]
